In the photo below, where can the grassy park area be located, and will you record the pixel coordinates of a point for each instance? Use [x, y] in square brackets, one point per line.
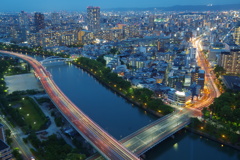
[32, 114]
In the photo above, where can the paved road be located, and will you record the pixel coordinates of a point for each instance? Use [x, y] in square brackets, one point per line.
[17, 136]
[209, 77]
[147, 137]
[143, 138]
[53, 129]
[101, 140]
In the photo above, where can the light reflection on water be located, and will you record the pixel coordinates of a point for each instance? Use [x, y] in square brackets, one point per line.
[121, 118]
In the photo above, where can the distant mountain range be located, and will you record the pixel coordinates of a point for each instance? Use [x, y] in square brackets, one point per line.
[183, 8]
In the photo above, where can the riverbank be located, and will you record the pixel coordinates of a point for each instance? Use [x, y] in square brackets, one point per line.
[154, 113]
[205, 135]
[107, 84]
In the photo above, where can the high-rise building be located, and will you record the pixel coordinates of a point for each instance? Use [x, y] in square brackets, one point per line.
[68, 39]
[23, 19]
[230, 61]
[197, 76]
[56, 19]
[5, 150]
[39, 21]
[151, 24]
[236, 34]
[23, 25]
[93, 16]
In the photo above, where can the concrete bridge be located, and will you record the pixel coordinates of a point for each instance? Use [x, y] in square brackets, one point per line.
[149, 136]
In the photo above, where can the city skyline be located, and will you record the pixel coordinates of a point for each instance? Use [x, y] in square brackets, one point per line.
[122, 80]
[74, 5]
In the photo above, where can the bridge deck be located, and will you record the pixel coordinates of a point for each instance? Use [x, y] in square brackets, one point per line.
[50, 60]
[101, 140]
[147, 137]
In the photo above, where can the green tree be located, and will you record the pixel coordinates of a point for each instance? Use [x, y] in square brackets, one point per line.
[17, 155]
[219, 70]
[114, 51]
[75, 156]
[143, 95]
[58, 121]
[101, 60]
[205, 112]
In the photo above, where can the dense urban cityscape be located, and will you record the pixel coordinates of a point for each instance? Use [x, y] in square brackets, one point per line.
[120, 84]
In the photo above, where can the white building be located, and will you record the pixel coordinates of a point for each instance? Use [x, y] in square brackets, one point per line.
[178, 97]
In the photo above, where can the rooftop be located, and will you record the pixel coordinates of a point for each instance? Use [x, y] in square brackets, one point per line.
[3, 145]
[232, 82]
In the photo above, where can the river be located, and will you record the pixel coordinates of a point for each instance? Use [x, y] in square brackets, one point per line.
[120, 118]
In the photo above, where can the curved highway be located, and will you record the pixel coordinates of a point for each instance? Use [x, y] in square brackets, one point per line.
[101, 140]
[141, 140]
[209, 78]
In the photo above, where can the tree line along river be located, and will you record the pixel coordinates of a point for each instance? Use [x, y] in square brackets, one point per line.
[121, 118]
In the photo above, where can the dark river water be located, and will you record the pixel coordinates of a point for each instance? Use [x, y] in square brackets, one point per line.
[120, 118]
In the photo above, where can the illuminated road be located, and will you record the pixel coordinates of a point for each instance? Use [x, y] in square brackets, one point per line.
[101, 140]
[138, 142]
[147, 137]
[17, 140]
[209, 78]
[144, 139]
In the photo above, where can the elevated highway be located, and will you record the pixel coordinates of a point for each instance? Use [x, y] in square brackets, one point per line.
[132, 146]
[149, 136]
[94, 134]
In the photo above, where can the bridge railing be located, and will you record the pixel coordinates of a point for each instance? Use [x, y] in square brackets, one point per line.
[147, 126]
[47, 60]
[156, 141]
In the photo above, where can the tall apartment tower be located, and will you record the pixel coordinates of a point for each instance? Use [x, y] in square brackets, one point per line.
[93, 16]
[236, 34]
[151, 24]
[56, 18]
[5, 150]
[197, 76]
[230, 61]
[39, 21]
[23, 25]
[23, 19]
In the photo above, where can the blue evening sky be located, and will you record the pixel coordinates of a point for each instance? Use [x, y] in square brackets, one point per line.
[78, 5]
